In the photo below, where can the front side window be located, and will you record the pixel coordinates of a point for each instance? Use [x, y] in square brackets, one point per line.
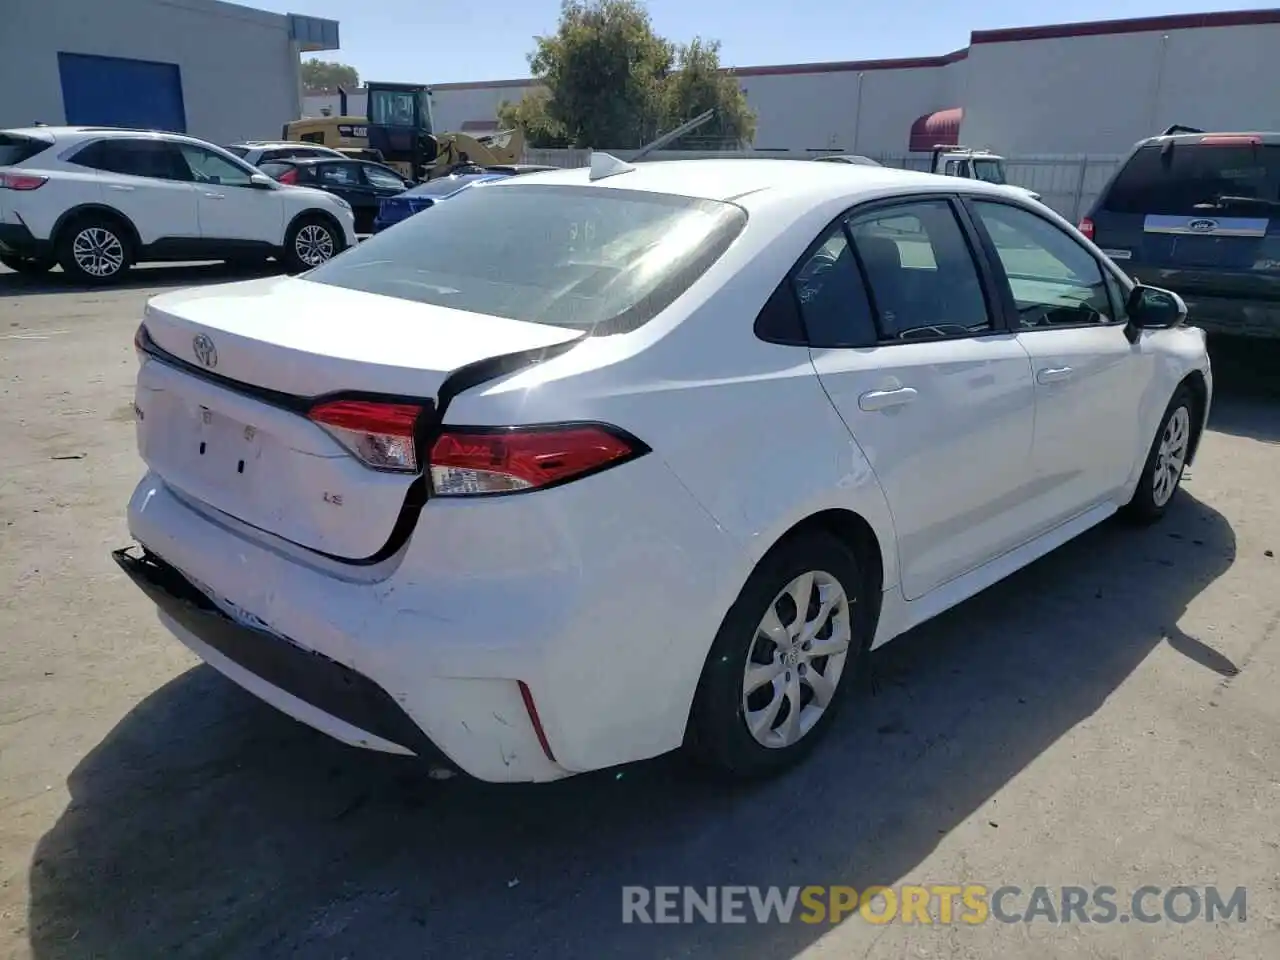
[392, 108]
[992, 171]
[1055, 282]
[240, 152]
[602, 260]
[208, 167]
[923, 279]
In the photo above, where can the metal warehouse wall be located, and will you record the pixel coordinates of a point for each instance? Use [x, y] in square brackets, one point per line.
[867, 111]
[1100, 94]
[239, 69]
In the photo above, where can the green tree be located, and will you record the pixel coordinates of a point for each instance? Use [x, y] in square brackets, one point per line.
[531, 116]
[321, 76]
[608, 80]
[698, 85]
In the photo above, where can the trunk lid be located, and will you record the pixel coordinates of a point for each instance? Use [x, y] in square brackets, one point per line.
[226, 424]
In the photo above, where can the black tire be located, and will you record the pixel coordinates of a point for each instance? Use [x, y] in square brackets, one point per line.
[308, 233]
[719, 735]
[95, 249]
[1166, 460]
[28, 266]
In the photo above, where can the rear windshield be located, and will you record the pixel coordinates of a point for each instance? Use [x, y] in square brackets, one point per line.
[599, 259]
[274, 168]
[1187, 178]
[15, 149]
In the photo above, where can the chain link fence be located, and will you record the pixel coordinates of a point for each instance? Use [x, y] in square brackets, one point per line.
[1068, 184]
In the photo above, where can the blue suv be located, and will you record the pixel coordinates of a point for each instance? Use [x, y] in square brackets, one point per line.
[1199, 213]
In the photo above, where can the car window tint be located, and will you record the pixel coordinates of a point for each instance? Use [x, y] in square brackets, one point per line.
[339, 175]
[240, 152]
[1054, 280]
[1182, 179]
[924, 282]
[275, 168]
[382, 178]
[208, 167]
[155, 159]
[833, 302]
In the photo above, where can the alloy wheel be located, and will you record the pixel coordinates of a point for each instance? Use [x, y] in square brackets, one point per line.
[1171, 456]
[796, 659]
[314, 245]
[98, 252]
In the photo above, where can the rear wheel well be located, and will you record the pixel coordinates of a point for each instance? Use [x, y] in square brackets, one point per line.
[1195, 383]
[853, 530]
[76, 214]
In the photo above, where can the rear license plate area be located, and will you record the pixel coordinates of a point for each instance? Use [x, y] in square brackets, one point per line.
[223, 449]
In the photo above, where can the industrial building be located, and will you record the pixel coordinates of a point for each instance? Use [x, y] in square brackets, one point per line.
[1071, 89]
[215, 70]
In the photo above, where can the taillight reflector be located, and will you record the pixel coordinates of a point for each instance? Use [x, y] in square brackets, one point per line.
[21, 181]
[1086, 227]
[478, 461]
[379, 435]
[289, 176]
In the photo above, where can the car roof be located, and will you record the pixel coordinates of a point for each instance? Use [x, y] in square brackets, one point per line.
[732, 179]
[76, 132]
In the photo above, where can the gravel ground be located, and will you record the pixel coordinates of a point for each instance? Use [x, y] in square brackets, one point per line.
[1107, 716]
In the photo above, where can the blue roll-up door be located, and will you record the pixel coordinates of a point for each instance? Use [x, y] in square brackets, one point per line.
[115, 92]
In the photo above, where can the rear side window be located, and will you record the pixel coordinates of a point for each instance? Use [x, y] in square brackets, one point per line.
[15, 149]
[1190, 179]
[600, 259]
[156, 159]
[833, 301]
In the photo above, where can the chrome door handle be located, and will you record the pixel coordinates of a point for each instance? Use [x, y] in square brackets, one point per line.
[216, 196]
[121, 187]
[884, 399]
[1053, 374]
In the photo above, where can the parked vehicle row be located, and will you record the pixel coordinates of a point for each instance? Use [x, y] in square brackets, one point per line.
[97, 200]
[640, 456]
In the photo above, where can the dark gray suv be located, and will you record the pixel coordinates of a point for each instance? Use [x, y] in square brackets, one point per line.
[1199, 214]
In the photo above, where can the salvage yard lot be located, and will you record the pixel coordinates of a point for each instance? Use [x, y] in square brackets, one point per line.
[1107, 716]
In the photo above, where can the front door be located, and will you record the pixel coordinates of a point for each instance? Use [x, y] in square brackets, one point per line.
[1089, 379]
[939, 398]
[232, 209]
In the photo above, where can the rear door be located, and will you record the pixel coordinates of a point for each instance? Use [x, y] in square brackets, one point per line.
[1198, 215]
[343, 178]
[147, 181]
[936, 393]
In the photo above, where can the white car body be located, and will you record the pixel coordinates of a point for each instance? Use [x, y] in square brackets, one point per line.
[257, 152]
[161, 218]
[545, 633]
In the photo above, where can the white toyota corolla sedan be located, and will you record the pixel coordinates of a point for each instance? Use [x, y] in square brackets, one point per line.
[588, 465]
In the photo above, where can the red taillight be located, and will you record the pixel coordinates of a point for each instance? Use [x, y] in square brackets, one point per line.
[21, 181]
[477, 461]
[379, 435]
[1230, 140]
[1086, 227]
[289, 176]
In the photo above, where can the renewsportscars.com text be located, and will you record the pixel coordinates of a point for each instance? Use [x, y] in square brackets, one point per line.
[969, 904]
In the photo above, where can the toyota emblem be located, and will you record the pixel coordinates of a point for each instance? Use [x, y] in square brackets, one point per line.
[205, 351]
[1203, 225]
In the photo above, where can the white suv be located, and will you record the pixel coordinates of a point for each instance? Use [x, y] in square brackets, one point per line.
[97, 200]
[258, 152]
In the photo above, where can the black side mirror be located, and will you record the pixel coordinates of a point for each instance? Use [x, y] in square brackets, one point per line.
[1151, 308]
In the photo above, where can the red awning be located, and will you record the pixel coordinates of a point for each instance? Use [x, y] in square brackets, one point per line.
[938, 129]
